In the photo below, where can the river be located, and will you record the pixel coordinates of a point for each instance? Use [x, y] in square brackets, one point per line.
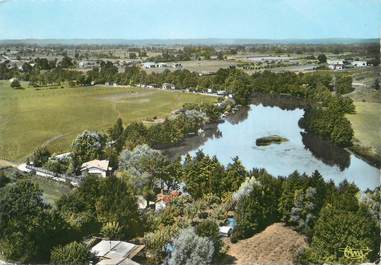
[302, 152]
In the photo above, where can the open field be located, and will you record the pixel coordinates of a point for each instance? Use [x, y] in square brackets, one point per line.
[53, 117]
[366, 124]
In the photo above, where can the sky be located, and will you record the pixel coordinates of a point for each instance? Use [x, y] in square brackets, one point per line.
[189, 19]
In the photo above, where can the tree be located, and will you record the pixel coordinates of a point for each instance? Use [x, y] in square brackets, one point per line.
[189, 249]
[210, 230]
[88, 146]
[157, 241]
[74, 253]
[111, 230]
[29, 228]
[132, 55]
[117, 203]
[15, 84]
[258, 209]
[117, 136]
[338, 229]
[377, 84]
[322, 58]
[40, 156]
[303, 213]
[66, 62]
[235, 174]
[135, 166]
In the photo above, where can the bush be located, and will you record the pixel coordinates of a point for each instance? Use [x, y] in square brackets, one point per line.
[73, 253]
[15, 84]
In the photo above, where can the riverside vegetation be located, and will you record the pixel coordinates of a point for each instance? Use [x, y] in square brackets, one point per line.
[332, 217]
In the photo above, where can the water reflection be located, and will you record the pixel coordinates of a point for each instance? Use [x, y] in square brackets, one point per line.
[325, 151]
[302, 152]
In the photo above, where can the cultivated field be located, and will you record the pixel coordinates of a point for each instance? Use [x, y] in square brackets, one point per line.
[53, 117]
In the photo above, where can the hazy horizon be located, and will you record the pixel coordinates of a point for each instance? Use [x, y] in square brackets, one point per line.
[189, 19]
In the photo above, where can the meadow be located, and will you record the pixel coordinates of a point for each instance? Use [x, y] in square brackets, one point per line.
[53, 116]
[366, 123]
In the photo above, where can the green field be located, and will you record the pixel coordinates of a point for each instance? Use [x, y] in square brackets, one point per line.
[53, 117]
[366, 124]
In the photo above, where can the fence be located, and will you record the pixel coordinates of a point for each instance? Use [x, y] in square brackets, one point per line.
[54, 176]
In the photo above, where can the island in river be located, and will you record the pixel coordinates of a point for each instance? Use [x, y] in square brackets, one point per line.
[272, 139]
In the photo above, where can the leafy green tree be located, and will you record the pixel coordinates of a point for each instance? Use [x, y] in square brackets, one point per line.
[4, 180]
[258, 209]
[157, 241]
[338, 229]
[377, 84]
[66, 62]
[322, 58]
[74, 253]
[235, 174]
[15, 84]
[111, 230]
[117, 203]
[29, 228]
[88, 146]
[40, 156]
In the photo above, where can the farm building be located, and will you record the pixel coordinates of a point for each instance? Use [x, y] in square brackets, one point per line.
[98, 167]
[111, 252]
[359, 63]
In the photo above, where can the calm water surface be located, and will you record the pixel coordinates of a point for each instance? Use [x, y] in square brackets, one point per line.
[302, 152]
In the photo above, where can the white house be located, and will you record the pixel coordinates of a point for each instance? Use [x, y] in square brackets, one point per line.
[336, 61]
[166, 86]
[98, 167]
[149, 65]
[359, 63]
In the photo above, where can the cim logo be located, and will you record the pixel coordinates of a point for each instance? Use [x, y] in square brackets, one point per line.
[356, 254]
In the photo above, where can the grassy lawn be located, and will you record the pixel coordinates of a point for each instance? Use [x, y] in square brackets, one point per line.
[366, 124]
[30, 117]
[52, 190]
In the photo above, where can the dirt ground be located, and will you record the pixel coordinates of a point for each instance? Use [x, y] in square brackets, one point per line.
[277, 244]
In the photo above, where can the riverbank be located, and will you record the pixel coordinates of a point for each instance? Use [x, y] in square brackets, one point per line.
[366, 154]
[304, 152]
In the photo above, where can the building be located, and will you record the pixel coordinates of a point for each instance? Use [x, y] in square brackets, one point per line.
[359, 63]
[336, 67]
[87, 64]
[148, 65]
[111, 252]
[164, 199]
[167, 86]
[336, 61]
[98, 167]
